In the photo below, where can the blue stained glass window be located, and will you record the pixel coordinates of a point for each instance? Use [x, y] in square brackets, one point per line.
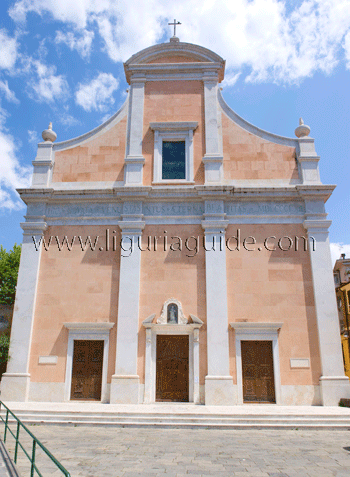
[174, 160]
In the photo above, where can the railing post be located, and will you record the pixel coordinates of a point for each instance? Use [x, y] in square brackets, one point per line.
[17, 441]
[33, 459]
[6, 421]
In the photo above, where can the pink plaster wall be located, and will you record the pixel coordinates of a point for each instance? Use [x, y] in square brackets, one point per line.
[73, 286]
[99, 159]
[250, 157]
[172, 274]
[276, 286]
[173, 101]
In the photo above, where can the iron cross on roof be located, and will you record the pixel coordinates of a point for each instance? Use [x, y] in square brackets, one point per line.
[175, 23]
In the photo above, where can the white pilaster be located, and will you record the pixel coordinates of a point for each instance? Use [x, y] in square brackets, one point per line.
[43, 165]
[308, 161]
[306, 154]
[218, 383]
[334, 384]
[15, 382]
[125, 381]
[213, 158]
[134, 160]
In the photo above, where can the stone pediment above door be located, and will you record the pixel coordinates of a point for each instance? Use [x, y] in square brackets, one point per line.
[172, 314]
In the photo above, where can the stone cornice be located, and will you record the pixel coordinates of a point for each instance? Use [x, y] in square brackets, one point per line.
[144, 63]
[177, 192]
[174, 125]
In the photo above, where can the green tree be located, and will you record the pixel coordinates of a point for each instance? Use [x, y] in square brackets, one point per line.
[9, 264]
[4, 351]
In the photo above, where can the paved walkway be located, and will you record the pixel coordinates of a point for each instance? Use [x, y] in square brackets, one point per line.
[130, 452]
[7, 467]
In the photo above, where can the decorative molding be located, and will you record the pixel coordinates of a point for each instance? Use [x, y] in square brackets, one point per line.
[33, 228]
[174, 126]
[182, 320]
[255, 327]
[102, 327]
[205, 63]
[197, 52]
[149, 319]
[196, 320]
[173, 131]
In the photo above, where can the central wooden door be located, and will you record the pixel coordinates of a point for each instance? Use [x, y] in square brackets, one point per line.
[172, 368]
[87, 370]
[257, 367]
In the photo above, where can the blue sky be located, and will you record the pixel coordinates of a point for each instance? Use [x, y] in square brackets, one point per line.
[62, 61]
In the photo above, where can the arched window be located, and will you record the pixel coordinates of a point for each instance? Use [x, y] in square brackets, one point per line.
[172, 314]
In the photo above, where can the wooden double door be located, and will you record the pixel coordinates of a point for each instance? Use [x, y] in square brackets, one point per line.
[172, 368]
[257, 368]
[87, 370]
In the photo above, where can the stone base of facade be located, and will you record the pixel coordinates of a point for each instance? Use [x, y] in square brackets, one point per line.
[220, 391]
[300, 395]
[333, 388]
[15, 387]
[46, 392]
[125, 389]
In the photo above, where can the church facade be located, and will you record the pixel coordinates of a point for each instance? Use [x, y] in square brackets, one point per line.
[176, 253]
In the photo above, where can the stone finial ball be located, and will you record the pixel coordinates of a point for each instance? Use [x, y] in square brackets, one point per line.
[48, 134]
[302, 130]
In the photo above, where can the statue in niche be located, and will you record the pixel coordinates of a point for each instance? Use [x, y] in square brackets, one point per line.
[172, 313]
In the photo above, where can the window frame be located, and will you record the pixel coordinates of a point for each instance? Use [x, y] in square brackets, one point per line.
[173, 132]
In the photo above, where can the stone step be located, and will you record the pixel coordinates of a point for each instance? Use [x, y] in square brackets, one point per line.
[176, 420]
[208, 415]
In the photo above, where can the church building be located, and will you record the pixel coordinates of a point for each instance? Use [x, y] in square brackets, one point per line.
[176, 253]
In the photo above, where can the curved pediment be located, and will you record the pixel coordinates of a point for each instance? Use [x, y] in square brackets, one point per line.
[174, 53]
[178, 51]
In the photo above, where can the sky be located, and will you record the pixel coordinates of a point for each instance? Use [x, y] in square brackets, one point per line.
[62, 61]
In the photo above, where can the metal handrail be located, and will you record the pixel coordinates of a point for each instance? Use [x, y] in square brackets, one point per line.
[35, 443]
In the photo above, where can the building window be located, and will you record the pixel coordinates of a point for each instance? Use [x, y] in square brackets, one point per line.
[173, 160]
[336, 278]
[173, 152]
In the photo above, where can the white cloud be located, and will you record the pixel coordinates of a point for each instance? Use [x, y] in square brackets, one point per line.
[82, 44]
[33, 137]
[277, 40]
[9, 94]
[12, 173]
[8, 50]
[98, 94]
[230, 79]
[347, 49]
[337, 249]
[70, 11]
[45, 86]
[68, 120]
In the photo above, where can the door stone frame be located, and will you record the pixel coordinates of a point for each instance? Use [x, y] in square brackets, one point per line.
[252, 331]
[154, 329]
[86, 332]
